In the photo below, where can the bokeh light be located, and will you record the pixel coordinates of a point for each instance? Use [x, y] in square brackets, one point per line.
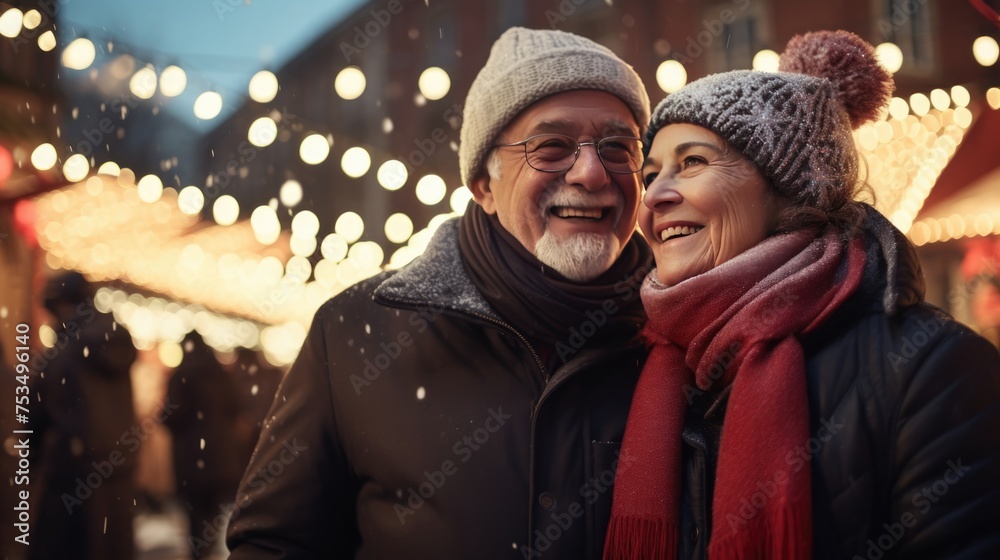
[986, 50]
[109, 168]
[305, 224]
[76, 168]
[290, 193]
[349, 83]
[263, 86]
[434, 83]
[355, 162]
[302, 246]
[350, 226]
[143, 83]
[898, 108]
[920, 104]
[44, 157]
[940, 99]
[226, 210]
[334, 247]
[32, 19]
[149, 188]
[671, 76]
[960, 96]
[173, 80]
[366, 255]
[11, 22]
[993, 97]
[170, 354]
[766, 61]
[459, 200]
[314, 149]
[190, 200]
[398, 228]
[265, 225]
[47, 41]
[79, 54]
[392, 175]
[890, 56]
[208, 105]
[431, 189]
[262, 132]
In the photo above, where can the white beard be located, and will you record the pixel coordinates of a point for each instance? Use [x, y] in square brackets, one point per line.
[584, 256]
[580, 258]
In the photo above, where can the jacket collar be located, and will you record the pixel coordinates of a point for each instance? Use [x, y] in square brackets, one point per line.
[437, 277]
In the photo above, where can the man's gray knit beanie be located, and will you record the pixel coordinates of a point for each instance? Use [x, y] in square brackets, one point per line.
[526, 65]
[794, 124]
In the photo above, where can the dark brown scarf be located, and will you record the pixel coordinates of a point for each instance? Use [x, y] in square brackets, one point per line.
[541, 303]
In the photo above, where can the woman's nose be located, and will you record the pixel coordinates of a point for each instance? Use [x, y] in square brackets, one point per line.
[660, 193]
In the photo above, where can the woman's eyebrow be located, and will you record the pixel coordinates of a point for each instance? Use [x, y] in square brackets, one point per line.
[681, 148]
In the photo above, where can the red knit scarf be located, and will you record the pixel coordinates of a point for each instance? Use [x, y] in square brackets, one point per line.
[733, 325]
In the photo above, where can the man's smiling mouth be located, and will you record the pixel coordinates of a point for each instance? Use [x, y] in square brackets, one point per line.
[566, 212]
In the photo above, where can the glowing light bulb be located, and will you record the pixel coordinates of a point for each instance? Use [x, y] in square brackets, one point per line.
[263, 86]
[671, 76]
[766, 61]
[986, 50]
[355, 162]
[226, 210]
[431, 189]
[79, 54]
[44, 157]
[349, 83]
[434, 83]
[392, 175]
[350, 226]
[890, 56]
[208, 105]
[263, 132]
[143, 83]
[314, 149]
[173, 80]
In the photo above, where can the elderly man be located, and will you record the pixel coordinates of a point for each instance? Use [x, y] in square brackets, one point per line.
[472, 404]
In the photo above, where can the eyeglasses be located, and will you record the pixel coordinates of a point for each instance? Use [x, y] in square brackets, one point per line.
[555, 153]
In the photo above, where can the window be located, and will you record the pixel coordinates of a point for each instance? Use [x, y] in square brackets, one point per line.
[907, 23]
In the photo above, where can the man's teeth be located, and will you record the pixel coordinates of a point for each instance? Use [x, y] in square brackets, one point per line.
[565, 212]
[679, 231]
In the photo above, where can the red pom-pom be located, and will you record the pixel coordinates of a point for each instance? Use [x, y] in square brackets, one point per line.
[863, 85]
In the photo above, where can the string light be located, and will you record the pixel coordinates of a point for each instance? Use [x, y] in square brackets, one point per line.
[349, 83]
[671, 76]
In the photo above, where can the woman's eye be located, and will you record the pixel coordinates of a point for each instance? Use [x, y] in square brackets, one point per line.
[648, 179]
[692, 160]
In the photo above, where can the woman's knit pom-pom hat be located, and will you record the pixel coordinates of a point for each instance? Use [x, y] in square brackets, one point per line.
[794, 124]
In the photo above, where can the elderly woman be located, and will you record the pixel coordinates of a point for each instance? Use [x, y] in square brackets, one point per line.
[799, 400]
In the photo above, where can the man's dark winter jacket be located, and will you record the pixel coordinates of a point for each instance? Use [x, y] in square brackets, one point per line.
[905, 416]
[416, 423]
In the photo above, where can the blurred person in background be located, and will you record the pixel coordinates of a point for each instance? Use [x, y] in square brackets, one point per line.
[257, 382]
[81, 414]
[471, 404]
[206, 449]
[986, 306]
[800, 399]
[981, 271]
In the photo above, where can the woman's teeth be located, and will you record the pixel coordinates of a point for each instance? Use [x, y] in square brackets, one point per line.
[679, 231]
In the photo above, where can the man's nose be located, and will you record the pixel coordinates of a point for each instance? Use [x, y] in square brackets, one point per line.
[588, 171]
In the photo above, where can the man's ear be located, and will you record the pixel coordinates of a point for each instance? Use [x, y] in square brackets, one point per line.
[481, 191]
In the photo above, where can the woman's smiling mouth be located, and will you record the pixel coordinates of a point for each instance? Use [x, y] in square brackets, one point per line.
[674, 232]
